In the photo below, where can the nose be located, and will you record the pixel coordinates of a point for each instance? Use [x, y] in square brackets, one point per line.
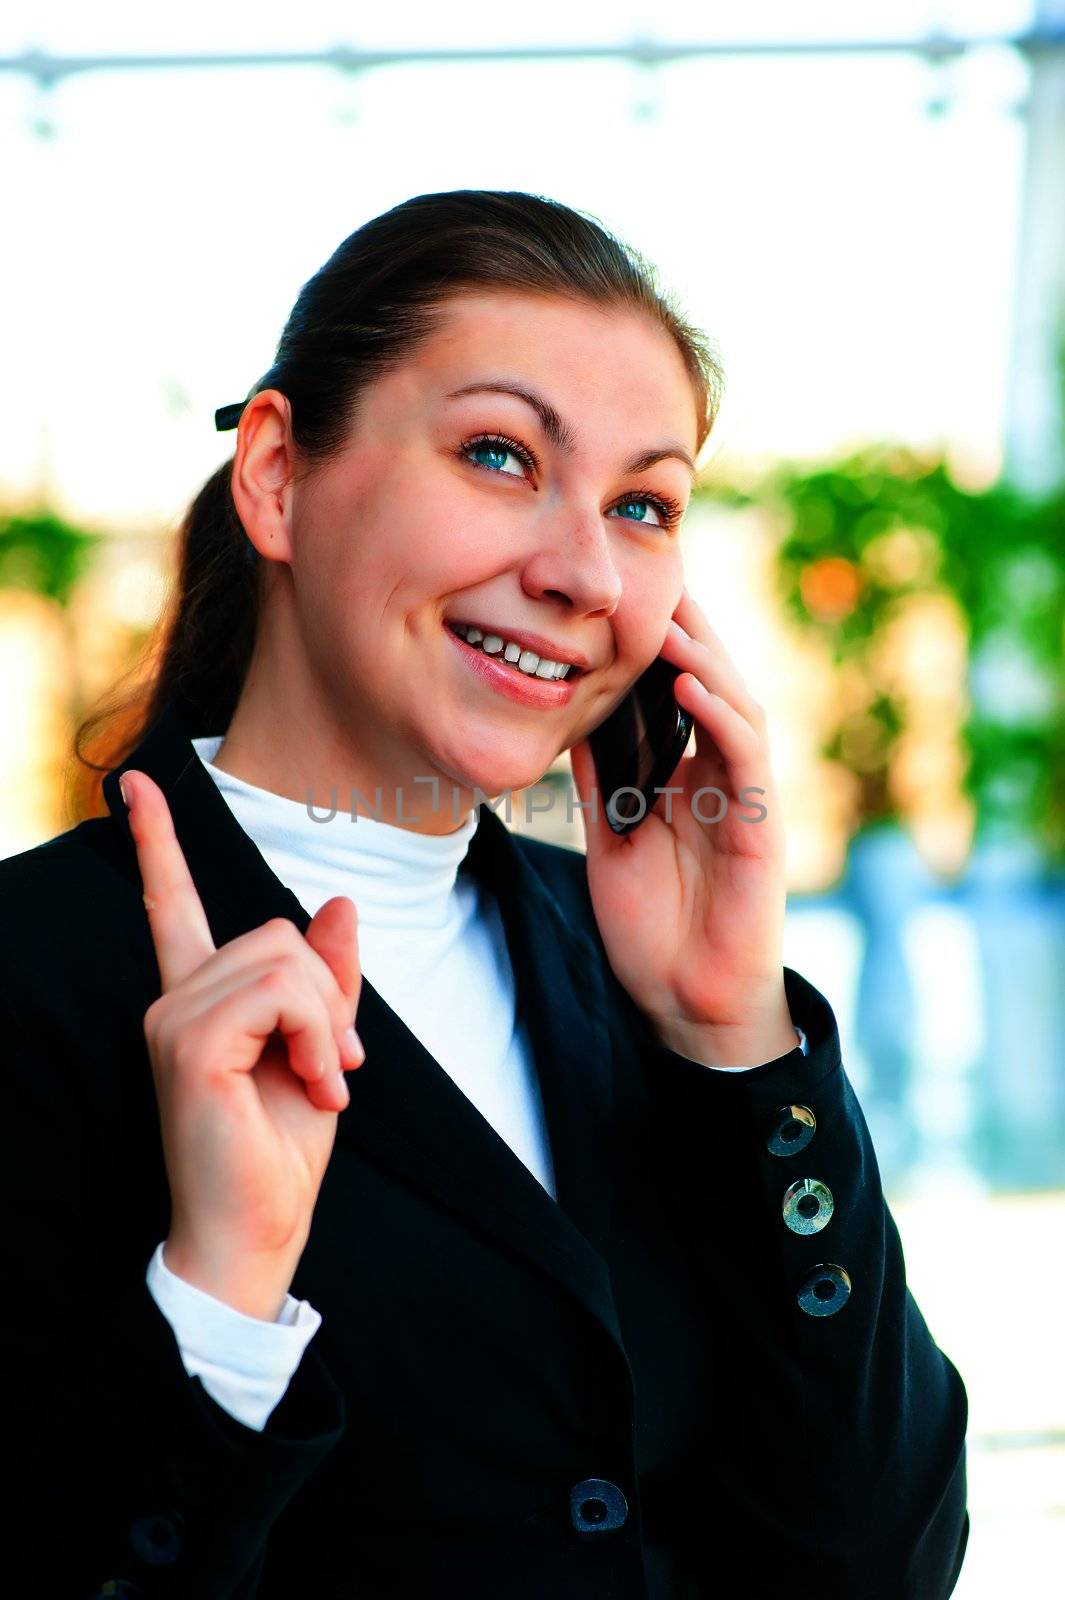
[575, 564]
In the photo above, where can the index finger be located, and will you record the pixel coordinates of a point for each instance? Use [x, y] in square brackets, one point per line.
[694, 621]
[180, 931]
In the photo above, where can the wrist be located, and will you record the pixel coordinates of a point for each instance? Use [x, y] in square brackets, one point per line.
[254, 1285]
[741, 1044]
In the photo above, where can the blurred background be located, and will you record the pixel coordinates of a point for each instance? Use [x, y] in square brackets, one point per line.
[867, 213]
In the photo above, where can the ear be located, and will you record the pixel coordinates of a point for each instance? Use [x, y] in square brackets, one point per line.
[262, 474]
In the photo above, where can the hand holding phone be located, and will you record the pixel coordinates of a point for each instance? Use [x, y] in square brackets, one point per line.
[691, 913]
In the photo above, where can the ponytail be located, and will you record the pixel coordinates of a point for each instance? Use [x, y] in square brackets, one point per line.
[202, 646]
[210, 632]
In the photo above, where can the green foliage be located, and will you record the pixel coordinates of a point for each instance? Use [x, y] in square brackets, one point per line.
[868, 531]
[43, 553]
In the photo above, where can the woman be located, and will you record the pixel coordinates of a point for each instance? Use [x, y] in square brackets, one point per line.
[520, 1291]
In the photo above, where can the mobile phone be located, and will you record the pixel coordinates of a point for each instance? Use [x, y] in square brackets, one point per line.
[638, 745]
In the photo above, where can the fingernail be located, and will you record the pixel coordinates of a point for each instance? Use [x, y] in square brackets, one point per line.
[354, 1044]
[123, 790]
[343, 1091]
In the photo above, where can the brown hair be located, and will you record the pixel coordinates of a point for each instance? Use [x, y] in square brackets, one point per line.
[380, 294]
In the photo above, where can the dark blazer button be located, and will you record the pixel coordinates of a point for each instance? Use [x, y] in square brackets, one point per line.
[117, 1589]
[808, 1206]
[156, 1539]
[597, 1506]
[825, 1290]
[791, 1130]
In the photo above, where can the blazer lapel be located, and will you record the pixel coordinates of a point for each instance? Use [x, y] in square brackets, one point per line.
[406, 1112]
[561, 1001]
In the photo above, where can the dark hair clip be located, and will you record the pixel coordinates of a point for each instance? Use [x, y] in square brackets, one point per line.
[228, 416]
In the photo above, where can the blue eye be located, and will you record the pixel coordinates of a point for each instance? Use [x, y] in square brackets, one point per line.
[497, 450]
[498, 446]
[643, 501]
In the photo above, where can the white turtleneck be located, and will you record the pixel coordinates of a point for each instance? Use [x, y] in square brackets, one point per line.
[428, 939]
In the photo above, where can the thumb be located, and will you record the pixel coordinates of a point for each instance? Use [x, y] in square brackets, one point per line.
[333, 933]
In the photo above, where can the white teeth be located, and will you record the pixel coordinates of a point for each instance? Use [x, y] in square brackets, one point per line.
[526, 661]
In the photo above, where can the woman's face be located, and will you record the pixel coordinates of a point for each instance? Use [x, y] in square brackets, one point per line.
[421, 521]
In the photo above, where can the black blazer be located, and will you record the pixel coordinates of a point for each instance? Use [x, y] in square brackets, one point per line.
[616, 1395]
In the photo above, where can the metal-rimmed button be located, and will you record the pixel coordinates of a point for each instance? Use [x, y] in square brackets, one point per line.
[597, 1506]
[808, 1206]
[156, 1539]
[792, 1129]
[825, 1290]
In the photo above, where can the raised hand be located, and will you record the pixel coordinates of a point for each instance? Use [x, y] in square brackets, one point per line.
[248, 1047]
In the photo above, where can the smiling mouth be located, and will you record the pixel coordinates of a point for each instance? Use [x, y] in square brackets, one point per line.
[526, 663]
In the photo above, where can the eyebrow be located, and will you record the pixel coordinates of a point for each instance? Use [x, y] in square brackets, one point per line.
[559, 431]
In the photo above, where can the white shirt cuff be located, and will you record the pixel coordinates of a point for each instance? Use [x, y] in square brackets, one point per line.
[245, 1363]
